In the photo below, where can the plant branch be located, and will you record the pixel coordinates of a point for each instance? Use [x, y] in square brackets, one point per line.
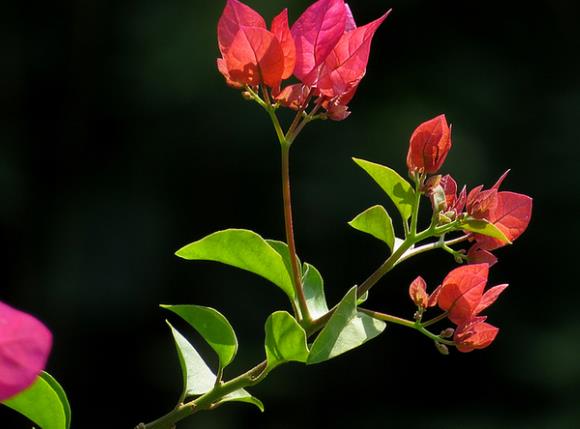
[207, 400]
[288, 222]
[418, 326]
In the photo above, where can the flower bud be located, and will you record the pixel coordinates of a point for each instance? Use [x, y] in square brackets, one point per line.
[418, 292]
[447, 333]
[442, 348]
[429, 145]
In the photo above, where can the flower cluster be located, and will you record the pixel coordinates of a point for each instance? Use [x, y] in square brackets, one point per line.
[461, 295]
[324, 49]
[509, 212]
[25, 344]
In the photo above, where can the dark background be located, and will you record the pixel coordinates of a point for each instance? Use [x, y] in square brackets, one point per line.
[120, 142]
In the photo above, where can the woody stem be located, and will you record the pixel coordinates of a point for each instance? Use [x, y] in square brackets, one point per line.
[289, 226]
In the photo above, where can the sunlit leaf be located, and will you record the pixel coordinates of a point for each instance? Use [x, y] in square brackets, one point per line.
[242, 249]
[346, 330]
[314, 291]
[198, 378]
[282, 249]
[242, 395]
[285, 340]
[44, 403]
[484, 228]
[213, 327]
[376, 222]
[397, 188]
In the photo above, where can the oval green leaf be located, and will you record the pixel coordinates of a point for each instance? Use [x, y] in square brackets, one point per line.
[285, 340]
[376, 222]
[242, 249]
[314, 291]
[44, 403]
[397, 188]
[212, 326]
[242, 395]
[483, 227]
[347, 329]
[282, 249]
[198, 378]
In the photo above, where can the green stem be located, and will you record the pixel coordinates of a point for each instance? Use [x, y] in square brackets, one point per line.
[434, 320]
[207, 400]
[418, 326]
[431, 246]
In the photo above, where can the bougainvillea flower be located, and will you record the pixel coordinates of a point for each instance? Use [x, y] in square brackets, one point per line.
[316, 32]
[480, 202]
[252, 55]
[346, 64]
[476, 255]
[25, 344]
[332, 53]
[461, 293]
[418, 292]
[455, 202]
[474, 334]
[429, 146]
[293, 96]
[511, 215]
[510, 212]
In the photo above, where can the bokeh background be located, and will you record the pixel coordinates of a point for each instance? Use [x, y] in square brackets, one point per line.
[119, 143]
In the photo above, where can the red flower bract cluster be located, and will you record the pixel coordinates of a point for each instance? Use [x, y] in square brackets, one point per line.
[462, 295]
[510, 212]
[324, 49]
[430, 143]
[25, 344]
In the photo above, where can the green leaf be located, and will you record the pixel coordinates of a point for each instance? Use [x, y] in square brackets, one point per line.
[242, 249]
[376, 222]
[483, 227]
[314, 291]
[242, 395]
[346, 330]
[198, 378]
[397, 188]
[282, 249]
[285, 340]
[213, 327]
[44, 403]
[363, 298]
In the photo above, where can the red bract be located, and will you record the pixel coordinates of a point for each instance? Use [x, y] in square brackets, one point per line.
[476, 255]
[332, 53]
[429, 145]
[474, 334]
[346, 65]
[252, 55]
[418, 292]
[510, 212]
[24, 348]
[316, 33]
[281, 30]
[455, 203]
[461, 293]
